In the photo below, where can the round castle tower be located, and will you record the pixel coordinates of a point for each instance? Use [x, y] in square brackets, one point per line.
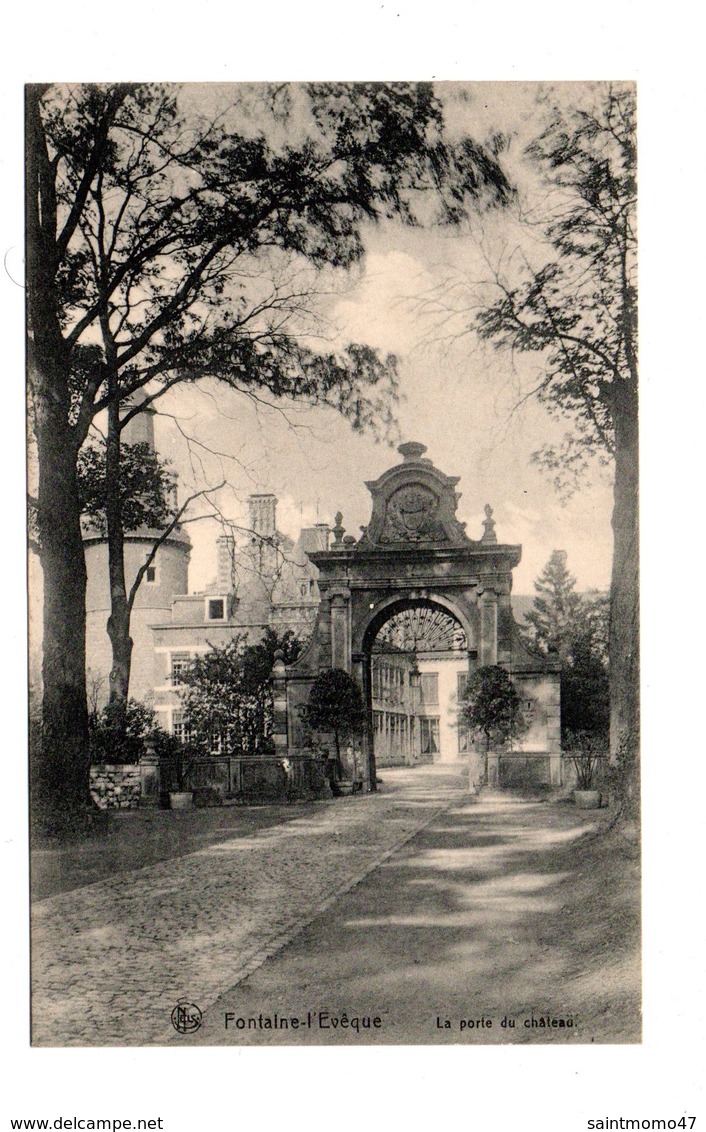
[165, 578]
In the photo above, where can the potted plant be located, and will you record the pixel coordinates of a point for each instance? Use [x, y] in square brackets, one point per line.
[182, 798]
[586, 753]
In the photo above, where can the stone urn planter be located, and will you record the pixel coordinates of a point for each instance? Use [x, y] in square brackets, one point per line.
[587, 799]
[586, 754]
[181, 800]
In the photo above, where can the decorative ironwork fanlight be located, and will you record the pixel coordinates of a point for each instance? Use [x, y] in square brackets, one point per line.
[421, 629]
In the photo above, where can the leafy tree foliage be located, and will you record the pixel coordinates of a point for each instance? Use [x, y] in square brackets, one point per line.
[163, 247]
[336, 705]
[575, 628]
[492, 706]
[578, 311]
[227, 698]
[146, 486]
[117, 733]
[585, 683]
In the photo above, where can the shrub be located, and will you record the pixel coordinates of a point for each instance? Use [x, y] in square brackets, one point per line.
[118, 731]
[227, 695]
[588, 753]
[492, 706]
[336, 705]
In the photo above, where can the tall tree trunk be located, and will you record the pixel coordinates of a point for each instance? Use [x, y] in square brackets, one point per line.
[119, 620]
[59, 759]
[624, 590]
[60, 762]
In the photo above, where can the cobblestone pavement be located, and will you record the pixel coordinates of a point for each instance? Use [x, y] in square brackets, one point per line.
[506, 920]
[111, 960]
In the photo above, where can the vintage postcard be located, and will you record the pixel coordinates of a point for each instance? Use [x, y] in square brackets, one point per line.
[344, 371]
[334, 654]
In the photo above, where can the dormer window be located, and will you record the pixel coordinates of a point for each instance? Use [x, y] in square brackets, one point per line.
[215, 609]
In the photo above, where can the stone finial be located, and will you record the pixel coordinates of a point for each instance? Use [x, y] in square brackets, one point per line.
[489, 534]
[338, 531]
[412, 450]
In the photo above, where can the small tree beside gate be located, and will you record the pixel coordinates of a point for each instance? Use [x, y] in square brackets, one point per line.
[336, 705]
[492, 707]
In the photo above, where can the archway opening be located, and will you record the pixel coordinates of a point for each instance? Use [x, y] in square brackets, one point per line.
[419, 662]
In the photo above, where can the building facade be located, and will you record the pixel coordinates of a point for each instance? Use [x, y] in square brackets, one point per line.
[267, 582]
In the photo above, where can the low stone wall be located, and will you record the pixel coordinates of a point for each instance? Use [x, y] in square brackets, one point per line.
[524, 770]
[115, 786]
[255, 779]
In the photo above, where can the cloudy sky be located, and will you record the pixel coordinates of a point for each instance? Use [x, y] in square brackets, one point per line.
[458, 398]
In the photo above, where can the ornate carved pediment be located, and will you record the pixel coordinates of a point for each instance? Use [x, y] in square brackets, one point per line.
[414, 503]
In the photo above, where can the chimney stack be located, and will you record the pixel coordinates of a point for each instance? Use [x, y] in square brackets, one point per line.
[263, 510]
[226, 564]
[263, 523]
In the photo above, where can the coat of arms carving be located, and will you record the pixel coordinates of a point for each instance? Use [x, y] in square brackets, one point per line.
[411, 515]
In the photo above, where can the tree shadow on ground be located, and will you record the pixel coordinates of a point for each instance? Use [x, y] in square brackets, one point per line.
[499, 911]
[135, 839]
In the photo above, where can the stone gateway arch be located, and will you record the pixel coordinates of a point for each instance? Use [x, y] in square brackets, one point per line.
[410, 609]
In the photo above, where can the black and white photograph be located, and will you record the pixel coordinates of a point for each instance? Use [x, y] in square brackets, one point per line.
[352, 769]
[334, 563]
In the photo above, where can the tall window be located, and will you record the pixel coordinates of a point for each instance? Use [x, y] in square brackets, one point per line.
[397, 683]
[430, 687]
[180, 731]
[429, 735]
[461, 685]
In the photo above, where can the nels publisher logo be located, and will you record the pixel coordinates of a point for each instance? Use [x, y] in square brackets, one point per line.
[186, 1017]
